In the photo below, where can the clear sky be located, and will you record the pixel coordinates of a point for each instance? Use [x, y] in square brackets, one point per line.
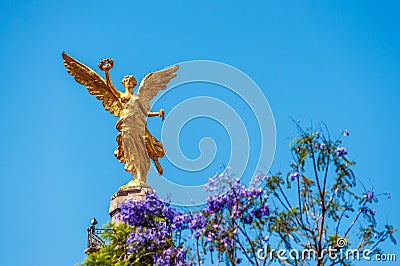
[332, 61]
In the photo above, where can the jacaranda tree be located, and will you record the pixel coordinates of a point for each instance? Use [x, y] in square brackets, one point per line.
[313, 214]
[317, 208]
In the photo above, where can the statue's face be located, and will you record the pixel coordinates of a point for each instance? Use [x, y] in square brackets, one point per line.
[129, 82]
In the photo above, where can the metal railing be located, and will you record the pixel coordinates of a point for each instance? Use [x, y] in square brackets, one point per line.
[94, 241]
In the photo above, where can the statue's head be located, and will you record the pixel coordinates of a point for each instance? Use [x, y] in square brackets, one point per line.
[129, 82]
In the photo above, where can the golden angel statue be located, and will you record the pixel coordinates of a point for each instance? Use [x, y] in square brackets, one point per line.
[135, 143]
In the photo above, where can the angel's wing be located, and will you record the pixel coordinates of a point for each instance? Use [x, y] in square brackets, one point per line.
[95, 84]
[154, 82]
[133, 140]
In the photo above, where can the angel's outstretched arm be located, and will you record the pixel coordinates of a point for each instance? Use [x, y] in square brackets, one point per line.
[105, 65]
[159, 113]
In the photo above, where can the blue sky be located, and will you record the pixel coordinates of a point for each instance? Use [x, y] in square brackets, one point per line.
[331, 61]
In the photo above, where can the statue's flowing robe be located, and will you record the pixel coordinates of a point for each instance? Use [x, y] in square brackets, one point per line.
[135, 143]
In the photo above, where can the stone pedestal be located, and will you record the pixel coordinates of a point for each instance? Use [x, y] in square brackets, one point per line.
[129, 193]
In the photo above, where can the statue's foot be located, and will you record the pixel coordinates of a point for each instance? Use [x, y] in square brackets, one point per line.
[132, 183]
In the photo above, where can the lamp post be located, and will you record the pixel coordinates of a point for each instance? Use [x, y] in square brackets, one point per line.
[94, 241]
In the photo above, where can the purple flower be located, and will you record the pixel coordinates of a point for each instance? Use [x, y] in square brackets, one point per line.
[215, 203]
[265, 210]
[256, 213]
[322, 145]
[237, 211]
[169, 213]
[257, 177]
[210, 237]
[196, 234]
[254, 192]
[369, 196]
[140, 213]
[179, 221]
[346, 132]
[248, 219]
[170, 256]
[341, 151]
[294, 176]
[389, 196]
[261, 212]
[197, 221]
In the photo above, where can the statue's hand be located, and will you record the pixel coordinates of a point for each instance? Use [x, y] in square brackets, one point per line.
[161, 113]
[106, 64]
